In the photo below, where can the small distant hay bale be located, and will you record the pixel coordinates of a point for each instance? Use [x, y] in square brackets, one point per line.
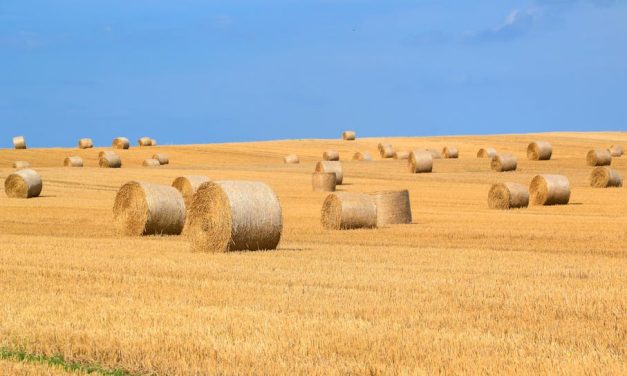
[539, 151]
[19, 142]
[150, 162]
[401, 155]
[504, 162]
[605, 177]
[188, 185]
[420, 161]
[106, 152]
[331, 155]
[291, 159]
[549, 190]
[21, 164]
[348, 135]
[235, 215]
[386, 150]
[85, 143]
[153, 142]
[331, 166]
[599, 157]
[110, 160]
[24, 183]
[142, 208]
[486, 153]
[450, 152]
[362, 156]
[121, 143]
[144, 141]
[508, 196]
[162, 158]
[616, 151]
[393, 207]
[348, 210]
[73, 161]
[323, 181]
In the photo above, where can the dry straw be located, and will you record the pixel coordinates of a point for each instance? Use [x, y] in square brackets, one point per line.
[151, 163]
[19, 142]
[21, 164]
[616, 150]
[605, 177]
[486, 153]
[162, 158]
[420, 161]
[508, 196]
[401, 155]
[106, 152]
[549, 190]
[393, 207]
[24, 183]
[362, 156]
[450, 152]
[148, 209]
[291, 159]
[386, 150]
[188, 185]
[539, 151]
[331, 166]
[504, 162]
[434, 153]
[85, 143]
[348, 135]
[331, 155]
[74, 161]
[110, 160]
[599, 157]
[348, 210]
[323, 181]
[144, 141]
[153, 142]
[235, 215]
[121, 143]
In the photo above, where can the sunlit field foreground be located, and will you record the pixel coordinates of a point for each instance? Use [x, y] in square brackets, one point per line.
[464, 289]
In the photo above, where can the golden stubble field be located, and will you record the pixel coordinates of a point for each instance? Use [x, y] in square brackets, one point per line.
[464, 289]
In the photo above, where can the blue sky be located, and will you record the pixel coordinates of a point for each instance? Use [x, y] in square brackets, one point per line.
[191, 71]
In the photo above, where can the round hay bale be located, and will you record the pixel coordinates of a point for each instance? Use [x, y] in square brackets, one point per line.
[450, 152]
[348, 135]
[323, 181]
[85, 143]
[401, 155]
[235, 215]
[188, 185]
[599, 157]
[151, 163]
[331, 166]
[616, 151]
[74, 161]
[504, 162]
[539, 151]
[24, 183]
[106, 152]
[121, 143]
[110, 160]
[387, 152]
[393, 207]
[549, 190]
[153, 142]
[291, 159]
[148, 209]
[162, 158]
[486, 153]
[21, 164]
[604, 177]
[331, 155]
[420, 161]
[19, 142]
[382, 146]
[362, 156]
[348, 210]
[144, 141]
[508, 196]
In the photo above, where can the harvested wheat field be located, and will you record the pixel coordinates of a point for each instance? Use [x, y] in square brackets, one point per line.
[463, 289]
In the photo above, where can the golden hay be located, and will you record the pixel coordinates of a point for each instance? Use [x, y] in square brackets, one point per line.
[362, 156]
[486, 153]
[616, 150]
[599, 157]
[142, 208]
[349, 210]
[393, 207]
[539, 151]
[235, 215]
[121, 143]
[21, 164]
[162, 158]
[85, 143]
[401, 155]
[153, 142]
[604, 177]
[331, 166]
[508, 196]
[434, 153]
[106, 152]
[549, 190]
[144, 141]
[323, 181]
[19, 142]
[74, 161]
[420, 161]
[24, 183]
[110, 160]
[291, 159]
[331, 155]
[188, 185]
[450, 152]
[151, 163]
[386, 150]
[504, 162]
[348, 135]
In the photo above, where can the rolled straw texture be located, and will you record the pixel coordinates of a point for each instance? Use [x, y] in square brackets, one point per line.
[144, 141]
[362, 156]
[331, 166]
[539, 151]
[291, 159]
[393, 207]
[162, 158]
[508, 196]
[386, 151]
[24, 183]
[616, 151]
[420, 161]
[486, 153]
[504, 162]
[110, 160]
[121, 143]
[450, 152]
[106, 152]
[323, 181]
[348, 210]
[401, 155]
[599, 157]
[74, 161]
[331, 155]
[153, 142]
[150, 162]
[19, 142]
[605, 177]
[188, 185]
[549, 190]
[348, 135]
[85, 143]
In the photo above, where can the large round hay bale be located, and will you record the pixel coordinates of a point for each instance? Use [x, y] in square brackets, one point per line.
[24, 183]
[362, 156]
[539, 151]
[486, 153]
[393, 207]
[348, 135]
[331, 166]
[121, 143]
[19, 142]
[150, 162]
[450, 152]
[110, 160]
[331, 155]
[144, 141]
[386, 150]
[153, 142]
[106, 152]
[21, 164]
[291, 159]
[85, 143]
[549, 190]
[348, 210]
[188, 185]
[74, 161]
[599, 157]
[401, 155]
[605, 177]
[616, 151]
[420, 161]
[504, 162]
[323, 181]
[235, 215]
[508, 196]
[162, 158]
[142, 208]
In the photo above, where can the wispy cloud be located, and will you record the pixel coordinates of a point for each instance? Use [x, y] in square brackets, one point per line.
[518, 23]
